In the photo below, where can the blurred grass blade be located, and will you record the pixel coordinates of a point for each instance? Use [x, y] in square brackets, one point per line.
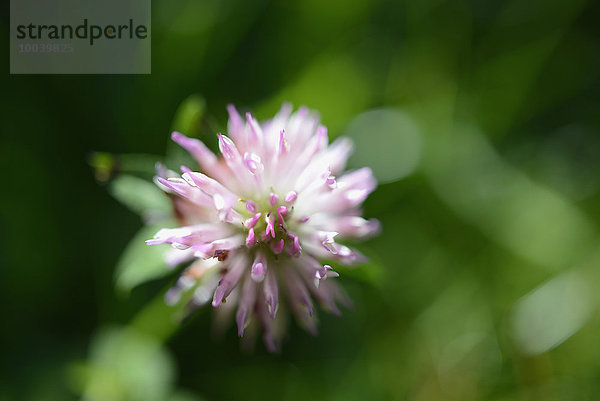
[552, 313]
[529, 219]
[334, 85]
[512, 54]
[504, 83]
[459, 336]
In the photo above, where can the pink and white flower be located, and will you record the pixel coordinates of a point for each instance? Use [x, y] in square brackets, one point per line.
[257, 219]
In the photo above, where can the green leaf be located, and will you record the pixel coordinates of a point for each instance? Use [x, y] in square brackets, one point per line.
[140, 262]
[139, 195]
[372, 272]
[126, 365]
[188, 121]
[138, 163]
[107, 165]
[188, 117]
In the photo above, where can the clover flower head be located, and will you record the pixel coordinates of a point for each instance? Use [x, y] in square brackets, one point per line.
[257, 220]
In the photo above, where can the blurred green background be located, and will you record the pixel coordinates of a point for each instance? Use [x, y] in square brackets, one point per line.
[481, 120]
